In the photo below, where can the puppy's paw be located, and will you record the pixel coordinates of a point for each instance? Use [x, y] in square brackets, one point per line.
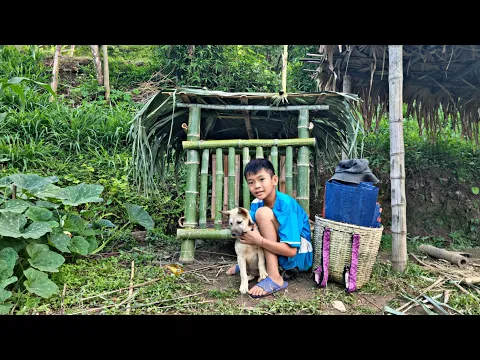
[244, 288]
[263, 275]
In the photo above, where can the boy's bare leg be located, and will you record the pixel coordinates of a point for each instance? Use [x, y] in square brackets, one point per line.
[268, 225]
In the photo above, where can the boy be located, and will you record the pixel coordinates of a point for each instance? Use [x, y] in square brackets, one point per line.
[283, 229]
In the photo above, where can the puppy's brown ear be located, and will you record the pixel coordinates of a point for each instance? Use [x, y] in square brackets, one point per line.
[243, 211]
[225, 212]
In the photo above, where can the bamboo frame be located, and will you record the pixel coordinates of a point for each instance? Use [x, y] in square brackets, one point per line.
[245, 189]
[253, 107]
[219, 190]
[231, 178]
[240, 143]
[202, 222]
[288, 171]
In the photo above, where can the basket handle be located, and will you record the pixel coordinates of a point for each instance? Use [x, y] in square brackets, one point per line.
[350, 271]
[321, 272]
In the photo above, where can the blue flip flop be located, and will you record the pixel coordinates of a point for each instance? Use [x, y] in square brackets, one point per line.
[269, 286]
[237, 270]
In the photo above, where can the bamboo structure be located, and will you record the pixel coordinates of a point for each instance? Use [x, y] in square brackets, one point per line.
[218, 190]
[397, 160]
[258, 143]
[191, 192]
[245, 189]
[231, 177]
[288, 171]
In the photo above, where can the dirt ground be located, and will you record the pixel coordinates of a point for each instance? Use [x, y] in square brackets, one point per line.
[211, 263]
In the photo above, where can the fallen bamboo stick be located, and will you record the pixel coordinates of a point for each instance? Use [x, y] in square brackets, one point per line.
[130, 291]
[437, 253]
[471, 280]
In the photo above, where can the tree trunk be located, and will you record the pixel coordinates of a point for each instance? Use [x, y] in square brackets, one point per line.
[106, 76]
[72, 49]
[56, 66]
[98, 63]
[397, 159]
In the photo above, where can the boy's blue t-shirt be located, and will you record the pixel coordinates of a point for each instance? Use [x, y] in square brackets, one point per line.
[294, 225]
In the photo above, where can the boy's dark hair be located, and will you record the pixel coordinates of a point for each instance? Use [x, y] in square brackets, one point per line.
[255, 165]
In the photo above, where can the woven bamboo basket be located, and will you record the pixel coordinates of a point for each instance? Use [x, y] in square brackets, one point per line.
[341, 248]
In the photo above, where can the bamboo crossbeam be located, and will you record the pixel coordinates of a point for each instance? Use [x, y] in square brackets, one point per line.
[253, 107]
[207, 234]
[241, 143]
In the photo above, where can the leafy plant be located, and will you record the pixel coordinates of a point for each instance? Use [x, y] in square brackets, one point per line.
[40, 220]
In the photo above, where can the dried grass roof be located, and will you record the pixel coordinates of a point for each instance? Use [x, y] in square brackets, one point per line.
[445, 77]
[158, 129]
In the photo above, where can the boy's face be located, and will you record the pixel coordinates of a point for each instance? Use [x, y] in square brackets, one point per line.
[262, 184]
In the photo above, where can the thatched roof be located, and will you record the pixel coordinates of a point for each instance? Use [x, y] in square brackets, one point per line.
[158, 129]
[445, 77]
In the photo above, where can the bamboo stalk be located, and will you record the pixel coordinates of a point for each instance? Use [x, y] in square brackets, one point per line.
[303, 163]
[207, 234]
[191, 192]
[288, 170]
[282, 183]
[231, 177]
[397, 159]
[225, 182]
[246, 190]
[253, 107]
[202, 222]
[240, 143]
[214, 186]
[219, 190]
[274, 158]
[237, 180]
[259, 152]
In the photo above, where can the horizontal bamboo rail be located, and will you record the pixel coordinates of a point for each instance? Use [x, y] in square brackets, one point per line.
[240, 143]
[253, 107]
[207, 234]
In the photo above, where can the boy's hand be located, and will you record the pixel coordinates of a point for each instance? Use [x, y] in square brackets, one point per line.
[252, 237]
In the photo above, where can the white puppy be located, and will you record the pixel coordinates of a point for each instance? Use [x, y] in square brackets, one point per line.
[250, 258]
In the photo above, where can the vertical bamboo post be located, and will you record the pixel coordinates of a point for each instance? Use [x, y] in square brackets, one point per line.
[245, 189]
[397, 159]
[237, 179]
[214, 186]
[191, 191]
[282, 187]
[274, 159]
[219, 190]
[294, 174]
[303, 163]
[288, 170]
[347, 88]
[259, 152]
[202, 222]
[231, 178]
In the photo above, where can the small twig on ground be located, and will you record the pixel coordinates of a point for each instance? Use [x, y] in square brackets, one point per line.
[161, 301]
[62, 307]
[211, 252]
[126, 288]
[130, 291]
[439, 281]
[371, 302]
[463, 290]
[106, 306]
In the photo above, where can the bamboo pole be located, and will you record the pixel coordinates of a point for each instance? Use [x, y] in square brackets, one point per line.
[214, 186]
[282, 182]
[219, 190]
[202, 222]
[259, 152]
[246, 190]
[274, 158]
[207, 234]
[303, 163]
[225, 183]
[237, 179]
[253, 107]
[56, 67]
[106, 73]
[288, 170]
[191, 192]
[240, 143]
[397, 159]
[231, 178]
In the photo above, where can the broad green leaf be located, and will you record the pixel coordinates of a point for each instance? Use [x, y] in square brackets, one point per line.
[47, 204]
[475, 190]
[80, 194]
[38, 283]
[8, 258]
[79, 245]
[92, 240]
[43, 259]
[17, 205]
[5, 282]
[137, 215]
[103, 223]
[35, 213]
[87, 232]
[52, 223]
[4, 295]
[74, 223]
[36, 230]
[18, 80]
[15, 244]
[30, 181]
[61, 241]
[5, 308]
[11, 224]
[48, 191]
